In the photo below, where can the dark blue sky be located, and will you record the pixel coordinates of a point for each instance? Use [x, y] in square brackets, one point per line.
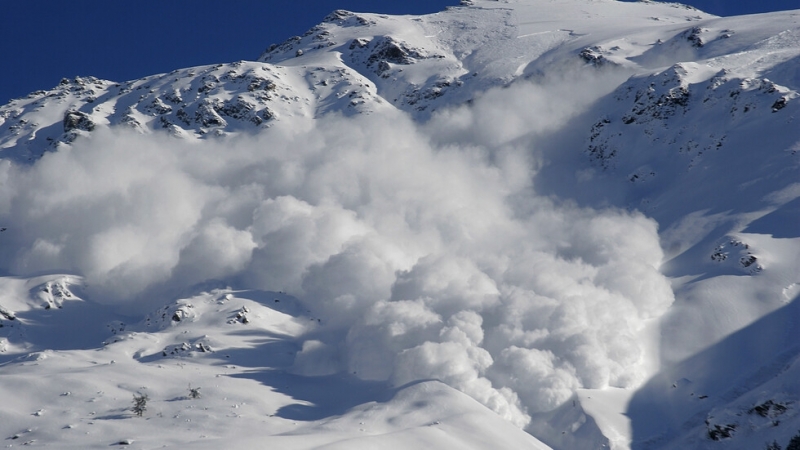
[42, 41]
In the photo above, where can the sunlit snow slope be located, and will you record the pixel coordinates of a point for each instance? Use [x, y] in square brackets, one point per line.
[576, 218]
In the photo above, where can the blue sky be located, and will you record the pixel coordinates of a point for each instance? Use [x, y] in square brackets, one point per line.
[42, 41]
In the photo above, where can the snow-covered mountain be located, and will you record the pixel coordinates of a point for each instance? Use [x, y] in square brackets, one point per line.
[576, 218]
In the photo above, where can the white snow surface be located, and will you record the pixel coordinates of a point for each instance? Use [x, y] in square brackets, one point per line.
[567, 224]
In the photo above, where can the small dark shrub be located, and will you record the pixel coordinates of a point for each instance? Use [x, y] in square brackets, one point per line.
[794, 443]
[139, 404]
[194, 392]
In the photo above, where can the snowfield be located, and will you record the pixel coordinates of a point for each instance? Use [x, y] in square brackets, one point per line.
[536, 224]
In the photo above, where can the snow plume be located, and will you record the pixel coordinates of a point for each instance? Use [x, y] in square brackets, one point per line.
[423, 249]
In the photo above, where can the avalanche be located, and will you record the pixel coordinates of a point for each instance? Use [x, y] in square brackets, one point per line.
[574, 218]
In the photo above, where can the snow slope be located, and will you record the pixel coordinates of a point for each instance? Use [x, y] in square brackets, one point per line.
[577, 217]
[236, 350]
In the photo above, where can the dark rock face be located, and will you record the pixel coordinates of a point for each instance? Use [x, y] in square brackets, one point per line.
[695, 37]
[76, 120]
[779, 104]
[594, 56]
[395, 52]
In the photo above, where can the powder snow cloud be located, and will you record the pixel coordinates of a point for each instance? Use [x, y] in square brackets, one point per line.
[423, 248]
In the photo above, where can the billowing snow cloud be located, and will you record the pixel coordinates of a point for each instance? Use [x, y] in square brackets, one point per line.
[423, 249]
